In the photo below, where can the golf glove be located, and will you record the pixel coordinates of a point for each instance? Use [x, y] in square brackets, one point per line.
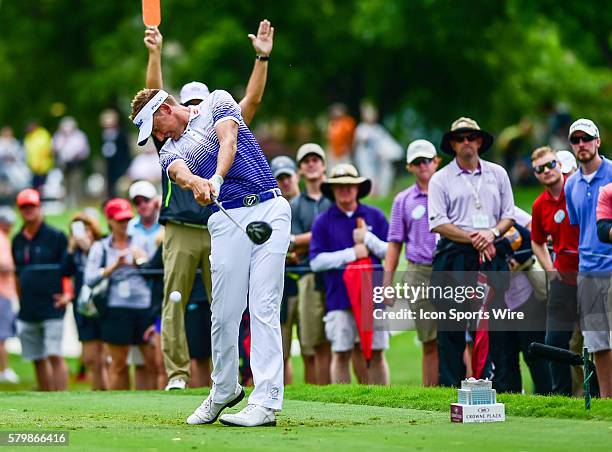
[216, 182]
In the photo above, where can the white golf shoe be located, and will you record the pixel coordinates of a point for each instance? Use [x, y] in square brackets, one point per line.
[208, 411]
[251, 416]
[9, 376]
[176, 383]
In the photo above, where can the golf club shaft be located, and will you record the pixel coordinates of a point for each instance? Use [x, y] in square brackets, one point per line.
[222, 209]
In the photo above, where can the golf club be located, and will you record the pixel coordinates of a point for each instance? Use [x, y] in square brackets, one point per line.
[258, 231]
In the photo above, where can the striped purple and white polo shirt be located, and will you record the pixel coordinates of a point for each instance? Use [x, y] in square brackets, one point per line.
[198, 147]
[410, 225]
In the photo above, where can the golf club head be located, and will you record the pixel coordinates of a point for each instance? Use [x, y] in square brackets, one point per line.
[259, 232]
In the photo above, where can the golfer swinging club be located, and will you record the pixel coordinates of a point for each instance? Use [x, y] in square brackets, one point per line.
[210, 151]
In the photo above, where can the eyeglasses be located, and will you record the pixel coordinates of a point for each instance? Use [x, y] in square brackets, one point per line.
[541, 168]
[461, 138]
[421, 160]
[584, 138]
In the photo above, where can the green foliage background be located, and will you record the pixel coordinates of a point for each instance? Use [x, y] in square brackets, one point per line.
[495, 60]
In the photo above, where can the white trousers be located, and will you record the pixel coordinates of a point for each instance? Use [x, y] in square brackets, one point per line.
[239, 267]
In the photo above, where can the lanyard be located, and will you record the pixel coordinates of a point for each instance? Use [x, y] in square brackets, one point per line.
[475, 189]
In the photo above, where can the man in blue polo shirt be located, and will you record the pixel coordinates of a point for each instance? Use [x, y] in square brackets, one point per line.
[213, 153]
[581, 192]
[344, 233]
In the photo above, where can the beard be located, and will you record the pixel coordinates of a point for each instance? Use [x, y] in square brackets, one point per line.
[580, 155]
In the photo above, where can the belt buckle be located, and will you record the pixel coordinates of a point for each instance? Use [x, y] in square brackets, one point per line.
[251, 200]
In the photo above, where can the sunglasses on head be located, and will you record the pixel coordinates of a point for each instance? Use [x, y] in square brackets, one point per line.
[420, 160]
[584, 138]
[541, 168]
[460, 138]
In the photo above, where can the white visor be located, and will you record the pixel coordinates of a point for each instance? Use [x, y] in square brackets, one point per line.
[144, 118]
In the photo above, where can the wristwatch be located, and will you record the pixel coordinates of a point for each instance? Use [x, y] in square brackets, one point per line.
[262, 57]
[291, 242]
[496, 232]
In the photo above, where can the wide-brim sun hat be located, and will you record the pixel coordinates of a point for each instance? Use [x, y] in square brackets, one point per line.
[464, 124]
[346, 174]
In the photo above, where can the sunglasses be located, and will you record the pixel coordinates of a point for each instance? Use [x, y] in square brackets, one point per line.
[141, 200]
[421, 160]
[541, 168]
[584, 138]
[461, 138]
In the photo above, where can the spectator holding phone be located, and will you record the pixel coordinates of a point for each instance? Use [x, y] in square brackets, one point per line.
[84, 231]
[127, 319]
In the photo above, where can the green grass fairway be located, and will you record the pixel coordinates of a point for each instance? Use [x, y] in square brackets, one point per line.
[155, 421]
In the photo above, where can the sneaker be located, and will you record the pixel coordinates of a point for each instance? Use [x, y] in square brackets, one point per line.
[208, 412]
[176, 383]
[251, 416]
[9, 376]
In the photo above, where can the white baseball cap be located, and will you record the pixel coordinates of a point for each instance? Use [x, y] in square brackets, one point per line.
[142, 188]
[585, 125]
[308, 149]
[7, 215]
[144, 118]
[420, 148]
[568, 161]
[194, 90]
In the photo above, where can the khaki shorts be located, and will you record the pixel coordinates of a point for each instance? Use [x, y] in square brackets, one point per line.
[39, 340]
[594, 308]
[287, 327]
[341, 331]
[415, 275]
[311, 310]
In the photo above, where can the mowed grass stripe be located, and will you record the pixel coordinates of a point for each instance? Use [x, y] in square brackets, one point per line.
[439, 399]
[155, 421]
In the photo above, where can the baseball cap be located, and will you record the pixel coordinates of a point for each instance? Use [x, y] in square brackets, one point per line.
[307, 149]
[118, 209]
[282, 165]
[194, 90]
[585, 125]
[420, 148]
[28, 197]
[142, 188]
[144, 118]
[568, 161]
[7, 215]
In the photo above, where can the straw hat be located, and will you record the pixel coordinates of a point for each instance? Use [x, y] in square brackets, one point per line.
[465, 125]
[346, 174]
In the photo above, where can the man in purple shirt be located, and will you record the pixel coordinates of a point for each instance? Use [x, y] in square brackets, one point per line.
[409, 225]
[344, 233]
[470, 205]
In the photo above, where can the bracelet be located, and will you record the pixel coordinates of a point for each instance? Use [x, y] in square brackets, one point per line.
[262, 57]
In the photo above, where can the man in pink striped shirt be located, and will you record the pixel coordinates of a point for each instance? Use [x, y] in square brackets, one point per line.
[410, 225]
